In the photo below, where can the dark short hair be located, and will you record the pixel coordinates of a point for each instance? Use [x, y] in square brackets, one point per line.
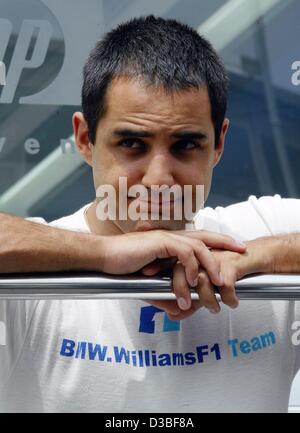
[163, 52]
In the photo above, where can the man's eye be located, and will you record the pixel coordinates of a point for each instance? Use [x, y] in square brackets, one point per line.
[131, 144]
[185, 145]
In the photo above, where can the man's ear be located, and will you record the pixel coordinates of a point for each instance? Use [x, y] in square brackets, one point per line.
[81, 135]
[221, 142]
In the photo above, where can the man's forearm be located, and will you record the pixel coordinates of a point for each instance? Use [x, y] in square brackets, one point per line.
[273, 254]
[287, 253]
[27, 246]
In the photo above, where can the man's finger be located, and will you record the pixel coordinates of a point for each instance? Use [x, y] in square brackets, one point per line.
[215, 240]
[227, 292]
[185, 251]
[207, 294]
[193, 252]
[181, 288]
[206, 259]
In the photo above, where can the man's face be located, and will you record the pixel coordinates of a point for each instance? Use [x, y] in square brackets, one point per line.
[155, 138]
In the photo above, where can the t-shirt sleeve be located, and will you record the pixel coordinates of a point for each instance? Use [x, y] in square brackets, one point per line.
[256, 217]
[39, 220]
[16, 315]
[15, 318]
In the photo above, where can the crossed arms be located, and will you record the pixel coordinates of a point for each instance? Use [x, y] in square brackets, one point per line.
[199, 259]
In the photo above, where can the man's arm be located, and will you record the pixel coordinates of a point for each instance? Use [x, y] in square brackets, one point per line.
[268, 254]
[27, 246]
[285, 253]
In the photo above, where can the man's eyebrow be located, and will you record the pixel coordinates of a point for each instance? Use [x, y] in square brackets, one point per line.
[182, 135]
[132, 133]
[190, 135]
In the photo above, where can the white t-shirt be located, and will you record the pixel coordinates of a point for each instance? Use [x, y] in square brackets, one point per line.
[126, 356]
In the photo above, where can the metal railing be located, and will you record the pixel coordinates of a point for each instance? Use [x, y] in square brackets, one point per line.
[69, 285]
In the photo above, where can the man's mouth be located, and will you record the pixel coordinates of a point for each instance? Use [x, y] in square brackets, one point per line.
[157, 202]
[153, 204]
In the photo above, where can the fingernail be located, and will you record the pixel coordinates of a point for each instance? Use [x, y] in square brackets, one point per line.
[241, 244]
[221, 279]
[183, 304]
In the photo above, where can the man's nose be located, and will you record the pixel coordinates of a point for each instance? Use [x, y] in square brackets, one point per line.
[158, 171]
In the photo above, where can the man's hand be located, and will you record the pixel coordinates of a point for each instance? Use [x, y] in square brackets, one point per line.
[131, 252]
[182, 287]
[258, 258]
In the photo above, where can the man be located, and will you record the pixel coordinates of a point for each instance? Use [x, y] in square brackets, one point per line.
[154, 103]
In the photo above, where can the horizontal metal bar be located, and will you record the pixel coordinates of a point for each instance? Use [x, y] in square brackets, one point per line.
[69, 285]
